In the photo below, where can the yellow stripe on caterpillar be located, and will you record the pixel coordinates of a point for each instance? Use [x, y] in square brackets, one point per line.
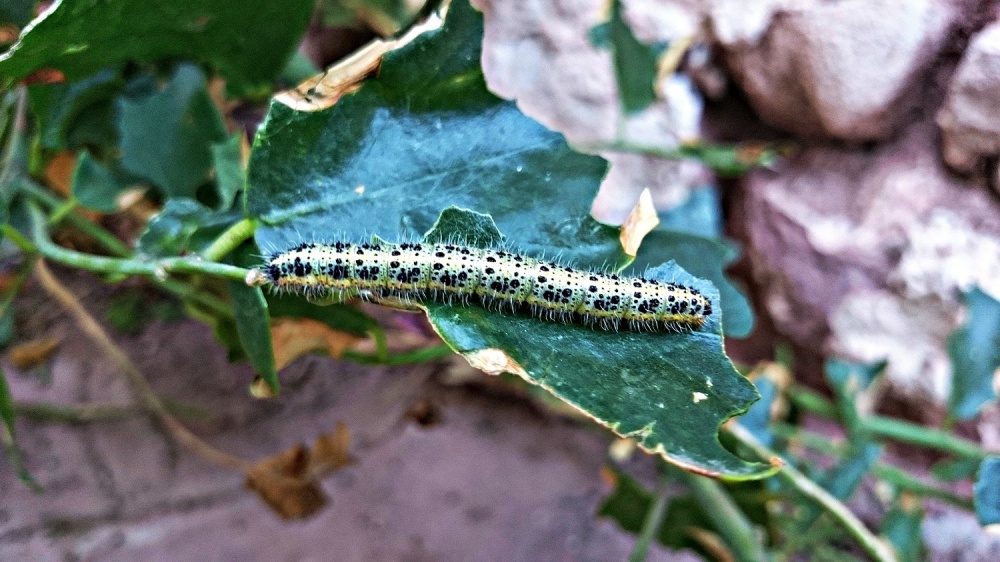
[495, 278]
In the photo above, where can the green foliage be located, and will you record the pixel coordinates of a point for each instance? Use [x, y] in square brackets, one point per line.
[987, 491]
[975, 355]
[179, 115]
[635, 62]
[246, 42]
[7, 435]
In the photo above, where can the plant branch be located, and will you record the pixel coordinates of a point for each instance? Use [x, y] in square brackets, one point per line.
[109, 241]
[421, 355]
[732, 525]
[157, 269]
[895, 476]
[144, 392]
[239, 232]
[895, 429]
[875, 547]
[652, 523]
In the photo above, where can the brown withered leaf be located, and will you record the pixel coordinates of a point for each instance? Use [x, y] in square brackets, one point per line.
[32, 353]
[641, 220]
[295, 337]
[288, 482]
[284, 483]
[331, 452]
[58, 172]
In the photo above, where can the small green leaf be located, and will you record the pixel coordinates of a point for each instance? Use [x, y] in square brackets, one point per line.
[8, 438]
[705, 258]
[635, 62]
[845, 477]
[247, 42]
[180, 117]
[757, 420]
[951, 470]
[848, 380]
[169, 233]
[253, 324]
[986, 493]
[975, 355]
[95, 186]
[61, 110]
[230, 179]
[477, 229]
[901, 525]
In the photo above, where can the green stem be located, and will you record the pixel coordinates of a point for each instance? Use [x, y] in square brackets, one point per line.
[891, 428]
[117, 248]
[932, 438]
[422, 355]
[157, 269]
[876, 548]
[732, 525]
[651, 525]
[895, 476]
[16, 137]
[17, 239]
[239, 232]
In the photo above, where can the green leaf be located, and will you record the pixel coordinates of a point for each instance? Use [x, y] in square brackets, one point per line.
[167, 136]
[702, 257]
[383, 16]
[848, 380]
[247, 42]
[253, 324]
[8, 438]
[62, 110]
[901, 525]
[17, 12]
[230, 179]
[975, 355]
[757, 420]
[951, 470]
[635, 62]
[96, 186]
[426, 135]
[731, 161]
[986, 492]
[170, 232]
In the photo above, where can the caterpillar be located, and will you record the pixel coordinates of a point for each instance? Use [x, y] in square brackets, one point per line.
[499, 279]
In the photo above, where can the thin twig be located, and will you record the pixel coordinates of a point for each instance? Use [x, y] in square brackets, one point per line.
[233, 236]
[144, 392]
[875, 547]
[732, 525]
[651, 525]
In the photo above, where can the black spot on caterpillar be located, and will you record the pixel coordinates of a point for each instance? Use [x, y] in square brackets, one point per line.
[497, 279]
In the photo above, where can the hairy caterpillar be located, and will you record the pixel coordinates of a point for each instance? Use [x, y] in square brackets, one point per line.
[495, 278]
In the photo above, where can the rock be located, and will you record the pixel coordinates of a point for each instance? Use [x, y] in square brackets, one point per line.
[970, 116]
[864, 254]
[840, 70]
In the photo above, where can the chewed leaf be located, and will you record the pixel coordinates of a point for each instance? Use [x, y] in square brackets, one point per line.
[393, 158]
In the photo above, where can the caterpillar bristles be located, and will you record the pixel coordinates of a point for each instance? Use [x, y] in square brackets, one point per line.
[498, 279]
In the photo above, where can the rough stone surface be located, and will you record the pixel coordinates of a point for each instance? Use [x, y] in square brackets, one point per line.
[496, 479]
[970, 117]
[864, 254]
[846, 70]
